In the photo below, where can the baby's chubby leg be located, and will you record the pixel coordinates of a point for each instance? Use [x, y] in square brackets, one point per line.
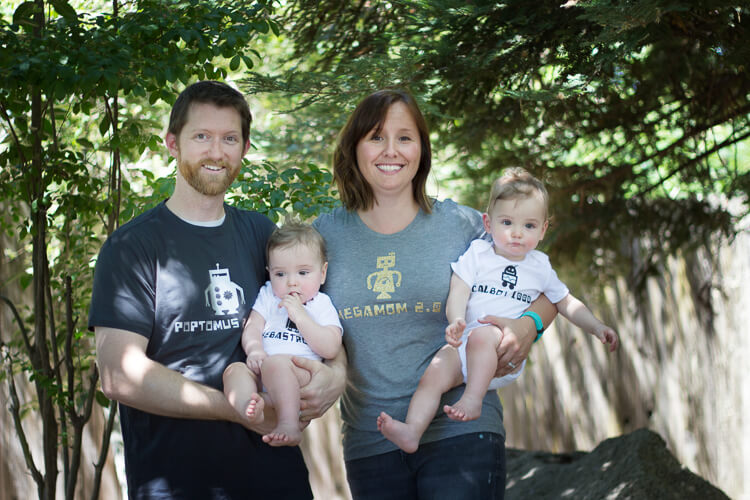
[241, 390]
[442, 374]
[481, 363]
[282, 380]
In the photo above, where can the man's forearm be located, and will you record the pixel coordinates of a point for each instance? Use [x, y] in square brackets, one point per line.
[130, 377]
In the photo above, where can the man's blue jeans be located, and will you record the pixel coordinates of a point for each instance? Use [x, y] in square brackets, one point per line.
[471, 466]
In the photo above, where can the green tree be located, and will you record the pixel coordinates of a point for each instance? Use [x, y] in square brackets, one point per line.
[635, 113]
[81, 98]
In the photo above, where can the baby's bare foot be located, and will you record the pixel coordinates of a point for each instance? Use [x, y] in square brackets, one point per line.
[283, 435]
[465, 409]
[254, 409]
[398, 433]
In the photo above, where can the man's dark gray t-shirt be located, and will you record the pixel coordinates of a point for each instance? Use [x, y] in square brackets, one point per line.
[188, 289]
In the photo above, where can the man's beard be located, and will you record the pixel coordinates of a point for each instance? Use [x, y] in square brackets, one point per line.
[204, 182]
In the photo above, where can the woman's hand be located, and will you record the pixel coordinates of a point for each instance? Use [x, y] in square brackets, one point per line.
[518, 335]
[326, 385]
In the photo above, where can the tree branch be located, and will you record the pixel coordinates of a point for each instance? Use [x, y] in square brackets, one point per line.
[15, 410]
[106, 436]
[695, 160]
[21, 326]
[12, 132]
[56, 366]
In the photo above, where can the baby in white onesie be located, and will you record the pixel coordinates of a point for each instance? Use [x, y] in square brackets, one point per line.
[501, 278]
[290, 317]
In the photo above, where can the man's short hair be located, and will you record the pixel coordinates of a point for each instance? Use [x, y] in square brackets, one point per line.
[209, 92]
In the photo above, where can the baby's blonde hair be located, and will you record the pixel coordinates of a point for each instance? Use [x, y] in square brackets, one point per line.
[517, 182]
[294, 232]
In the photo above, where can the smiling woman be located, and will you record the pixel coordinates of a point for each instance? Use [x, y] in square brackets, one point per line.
[366, 124]
[390, 248]
[388, 157]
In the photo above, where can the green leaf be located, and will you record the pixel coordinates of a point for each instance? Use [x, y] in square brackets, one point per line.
[25, 280]
[65, 10]
[102, 399]
[234, 64]
[169, 73]
[274, 27]
[24, 14]
[226, 50]
[104, 125]
[154, 143]
[260, 26]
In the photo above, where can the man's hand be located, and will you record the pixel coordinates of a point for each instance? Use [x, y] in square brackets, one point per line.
[326, 385]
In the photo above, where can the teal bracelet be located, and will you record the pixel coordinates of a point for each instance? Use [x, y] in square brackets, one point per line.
[537, 322]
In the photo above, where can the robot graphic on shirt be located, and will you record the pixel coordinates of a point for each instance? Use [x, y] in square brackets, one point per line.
[223, 295]
[384, 280]
[509, 277]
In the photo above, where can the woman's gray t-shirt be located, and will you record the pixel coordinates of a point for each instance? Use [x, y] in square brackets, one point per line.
[390, 292]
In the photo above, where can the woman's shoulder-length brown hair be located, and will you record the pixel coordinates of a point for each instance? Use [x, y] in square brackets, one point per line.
[355, 192]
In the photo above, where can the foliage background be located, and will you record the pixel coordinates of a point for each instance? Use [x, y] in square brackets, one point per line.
[635, 113]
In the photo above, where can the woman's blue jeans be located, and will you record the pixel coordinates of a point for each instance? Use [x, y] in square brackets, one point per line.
[471, 466]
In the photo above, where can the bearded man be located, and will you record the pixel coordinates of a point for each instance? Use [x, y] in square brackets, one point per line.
[172, 291]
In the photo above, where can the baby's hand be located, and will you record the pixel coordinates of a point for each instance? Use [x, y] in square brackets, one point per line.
[608, 336]
[454, 331]
[255, 360]
[294, 306]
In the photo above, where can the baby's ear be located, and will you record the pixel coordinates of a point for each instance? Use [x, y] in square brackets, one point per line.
[324, 271]
[486, 222]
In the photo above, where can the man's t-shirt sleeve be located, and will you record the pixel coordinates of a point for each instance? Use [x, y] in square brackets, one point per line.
[123, 292]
